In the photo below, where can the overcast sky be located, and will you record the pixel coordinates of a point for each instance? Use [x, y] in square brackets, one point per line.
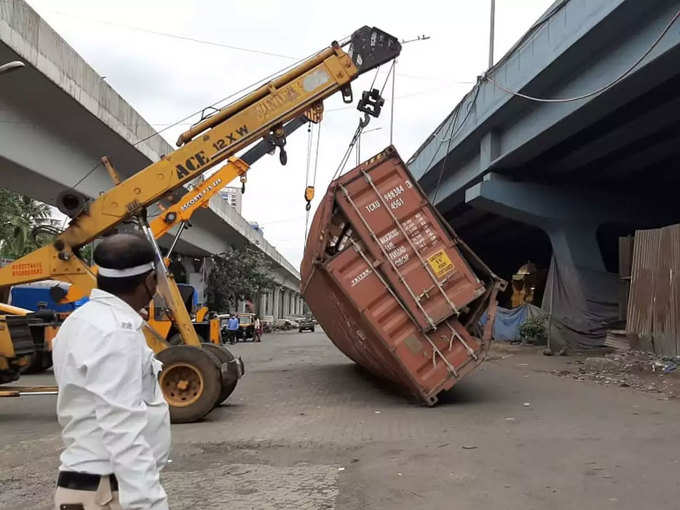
[165, 78]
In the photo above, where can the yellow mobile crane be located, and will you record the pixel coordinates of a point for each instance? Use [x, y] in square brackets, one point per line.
[45, 324]
[193, 378]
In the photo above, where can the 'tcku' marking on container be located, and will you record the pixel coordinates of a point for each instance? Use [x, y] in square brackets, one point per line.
[373, 206]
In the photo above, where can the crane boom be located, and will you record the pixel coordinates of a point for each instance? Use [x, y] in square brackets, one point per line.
[258, 114]
[200, 195]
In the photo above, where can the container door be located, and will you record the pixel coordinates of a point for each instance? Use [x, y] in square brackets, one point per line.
[399, 228]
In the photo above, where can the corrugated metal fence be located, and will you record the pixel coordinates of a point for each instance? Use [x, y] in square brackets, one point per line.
[654, 303]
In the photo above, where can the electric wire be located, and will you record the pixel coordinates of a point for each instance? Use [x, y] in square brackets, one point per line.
[240, 91]
[86, 175]
[176, 36]
[454, 132]
[187, 117]
[604, 88]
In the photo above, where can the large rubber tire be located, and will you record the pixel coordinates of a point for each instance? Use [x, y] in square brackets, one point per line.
[191, 382]
[35, 364]
[228, 383]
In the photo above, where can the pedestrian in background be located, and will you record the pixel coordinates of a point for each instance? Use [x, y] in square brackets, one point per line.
[232, 329]
[257, 325]
[115, 421]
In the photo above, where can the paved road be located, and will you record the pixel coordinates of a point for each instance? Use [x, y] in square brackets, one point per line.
[306, 429]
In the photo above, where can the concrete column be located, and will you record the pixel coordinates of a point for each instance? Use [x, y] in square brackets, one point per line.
[275, 305]
[569, 217]
[258, 303]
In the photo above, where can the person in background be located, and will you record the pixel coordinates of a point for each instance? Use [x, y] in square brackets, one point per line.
[115, 421]
[232, 329]
[257, 325]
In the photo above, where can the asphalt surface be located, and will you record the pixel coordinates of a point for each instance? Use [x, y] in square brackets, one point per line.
[307, 429]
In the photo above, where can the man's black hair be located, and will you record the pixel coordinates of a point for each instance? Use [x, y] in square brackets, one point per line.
[122, 251]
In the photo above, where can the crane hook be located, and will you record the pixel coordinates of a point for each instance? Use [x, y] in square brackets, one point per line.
[309, 196]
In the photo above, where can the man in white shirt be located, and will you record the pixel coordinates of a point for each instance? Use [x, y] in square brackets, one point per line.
[115, 421]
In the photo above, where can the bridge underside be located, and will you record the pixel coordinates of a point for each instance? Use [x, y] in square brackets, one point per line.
[562, 182]
[58, 117]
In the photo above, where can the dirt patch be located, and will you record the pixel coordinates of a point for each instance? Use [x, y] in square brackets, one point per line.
[634, 369]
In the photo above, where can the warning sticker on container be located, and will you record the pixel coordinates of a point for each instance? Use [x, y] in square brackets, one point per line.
[440, 263]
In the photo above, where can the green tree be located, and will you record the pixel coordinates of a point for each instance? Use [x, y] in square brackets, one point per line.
[237, 274]
[19, 217]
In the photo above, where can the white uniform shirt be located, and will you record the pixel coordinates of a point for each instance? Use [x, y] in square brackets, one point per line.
[110, 405]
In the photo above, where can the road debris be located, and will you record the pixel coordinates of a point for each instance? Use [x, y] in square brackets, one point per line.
[638, 370]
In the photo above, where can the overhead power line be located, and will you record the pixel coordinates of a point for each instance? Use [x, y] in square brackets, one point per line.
[181, 37]
[604, 88]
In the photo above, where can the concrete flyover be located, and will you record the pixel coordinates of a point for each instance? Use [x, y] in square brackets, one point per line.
[521, 179]
[58, 117]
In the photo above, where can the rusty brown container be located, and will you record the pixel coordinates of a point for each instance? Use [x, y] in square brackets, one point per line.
[392, 285]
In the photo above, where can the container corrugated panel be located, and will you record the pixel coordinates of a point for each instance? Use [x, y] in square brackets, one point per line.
[392, 285]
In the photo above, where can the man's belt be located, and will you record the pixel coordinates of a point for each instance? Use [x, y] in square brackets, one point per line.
[83, 481]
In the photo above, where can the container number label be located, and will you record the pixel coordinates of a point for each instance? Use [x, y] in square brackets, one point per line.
[361, 276]
[440, 263]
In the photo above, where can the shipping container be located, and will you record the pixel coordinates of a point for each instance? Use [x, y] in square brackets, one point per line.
[392, 285]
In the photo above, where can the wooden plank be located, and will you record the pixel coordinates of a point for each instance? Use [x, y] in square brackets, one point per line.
[662, 294]
[625, 267]
[675, 289]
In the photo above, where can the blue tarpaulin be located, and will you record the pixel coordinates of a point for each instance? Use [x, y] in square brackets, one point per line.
[508, 321]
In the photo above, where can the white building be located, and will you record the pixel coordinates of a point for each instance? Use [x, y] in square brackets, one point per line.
[232, 195]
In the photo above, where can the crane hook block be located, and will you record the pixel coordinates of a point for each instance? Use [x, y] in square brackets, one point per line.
[283, 156]
[309, 196]
[309, 193]
[371, 102]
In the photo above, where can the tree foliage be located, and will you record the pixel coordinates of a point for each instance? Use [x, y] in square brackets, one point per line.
[237, 274]
[19, 216]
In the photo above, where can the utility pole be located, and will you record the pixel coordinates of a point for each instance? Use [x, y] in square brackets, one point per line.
[492, 32]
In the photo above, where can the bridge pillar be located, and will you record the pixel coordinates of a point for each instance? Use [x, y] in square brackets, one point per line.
[276, 301]
[580, 293]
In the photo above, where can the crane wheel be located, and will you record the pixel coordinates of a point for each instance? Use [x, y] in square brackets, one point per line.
[39, 362]
[231, 379]
[191, 382]
[34, 365]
